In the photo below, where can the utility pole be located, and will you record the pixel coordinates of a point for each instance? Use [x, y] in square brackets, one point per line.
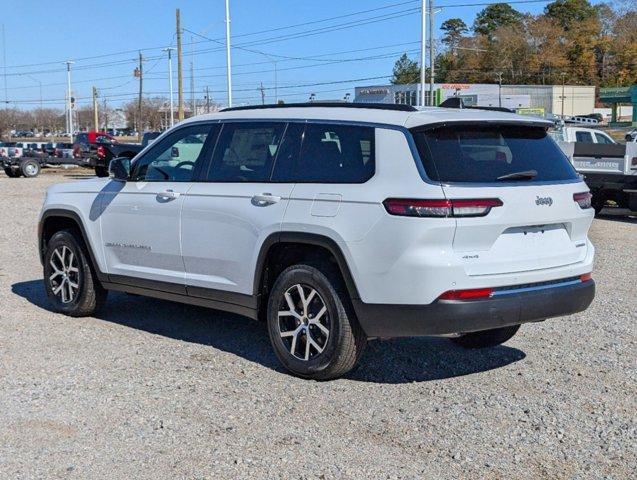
[4, 63]
[170, 84]
[180, 82]
[262, 94]
[69, 97]
[228, 59]
[423, 49]
[193, 104]
[207, 99]
[139, 100]
[105, 110]
[499, 75]
[95, 119]
[431, 52]
[563, 75]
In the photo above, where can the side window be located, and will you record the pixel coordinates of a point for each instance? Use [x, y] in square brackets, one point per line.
[288, 153]
[603, 139]
[245, 152]
[174, 158]
[336, 154]
[584, 137]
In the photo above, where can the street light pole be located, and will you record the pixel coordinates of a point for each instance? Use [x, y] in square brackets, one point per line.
[228, 59]
[423, 48]
[70, 103]
[170, 84]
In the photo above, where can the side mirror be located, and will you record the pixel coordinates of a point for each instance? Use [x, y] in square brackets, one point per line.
[174, 152]
[119, 169]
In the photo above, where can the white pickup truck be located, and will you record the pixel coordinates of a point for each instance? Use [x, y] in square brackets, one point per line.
[583, 135]
[609, 168]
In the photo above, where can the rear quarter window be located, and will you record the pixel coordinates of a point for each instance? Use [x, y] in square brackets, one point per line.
[484, 153]
[336, 154]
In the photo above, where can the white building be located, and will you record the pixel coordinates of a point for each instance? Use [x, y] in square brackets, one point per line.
[579, 100]
[555, 99]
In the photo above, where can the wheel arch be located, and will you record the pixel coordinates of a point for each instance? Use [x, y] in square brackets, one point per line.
[54, 220]
[296, 239]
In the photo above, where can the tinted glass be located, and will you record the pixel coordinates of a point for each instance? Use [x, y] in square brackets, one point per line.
[603, 139]
[289, 152]
[336, 154]
[174, 159]
[245, 152]
[584, 137]
[471, 153]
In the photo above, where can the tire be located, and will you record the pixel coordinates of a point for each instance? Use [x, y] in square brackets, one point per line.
[11, 173]
[101, 172]
[66, 263]
[486, 338]
[29, 168]
[337, 340]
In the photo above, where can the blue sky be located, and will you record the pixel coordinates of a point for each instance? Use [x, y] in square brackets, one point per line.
[40, 35]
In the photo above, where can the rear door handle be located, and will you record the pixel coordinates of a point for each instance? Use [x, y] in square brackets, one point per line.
[169, 194]
[265, 199]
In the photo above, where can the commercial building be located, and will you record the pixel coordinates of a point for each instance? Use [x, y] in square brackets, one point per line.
[547, 99]
[618, 95]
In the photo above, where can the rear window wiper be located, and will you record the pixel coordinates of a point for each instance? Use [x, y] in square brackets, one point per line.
[525, 175]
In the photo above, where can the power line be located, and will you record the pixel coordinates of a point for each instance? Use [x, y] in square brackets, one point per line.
[160, 73]
[137, 50]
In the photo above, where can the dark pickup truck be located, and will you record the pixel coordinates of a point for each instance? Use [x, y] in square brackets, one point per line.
[104, 150]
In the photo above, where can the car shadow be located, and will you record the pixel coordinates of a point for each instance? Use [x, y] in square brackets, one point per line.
[392, 361]
[617, 215]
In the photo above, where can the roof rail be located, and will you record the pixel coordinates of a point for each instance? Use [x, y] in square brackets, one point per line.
[373, 106]
[457, 102]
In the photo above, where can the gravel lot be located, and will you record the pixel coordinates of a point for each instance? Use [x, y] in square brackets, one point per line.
[151, 389]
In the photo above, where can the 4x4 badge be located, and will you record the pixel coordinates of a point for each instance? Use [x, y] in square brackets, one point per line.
[544, 201]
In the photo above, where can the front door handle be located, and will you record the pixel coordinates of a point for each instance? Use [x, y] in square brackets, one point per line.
[168, 194]
[265, 199]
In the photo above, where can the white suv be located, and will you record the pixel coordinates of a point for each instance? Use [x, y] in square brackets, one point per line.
[334, 224]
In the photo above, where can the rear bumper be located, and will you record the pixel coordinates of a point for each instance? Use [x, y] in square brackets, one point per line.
[451, 316]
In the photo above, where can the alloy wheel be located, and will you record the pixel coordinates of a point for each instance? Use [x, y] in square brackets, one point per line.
[65, 279]
[304, 322]
[31, 169]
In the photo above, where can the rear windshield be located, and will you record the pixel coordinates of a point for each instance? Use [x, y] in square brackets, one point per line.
[477, 154]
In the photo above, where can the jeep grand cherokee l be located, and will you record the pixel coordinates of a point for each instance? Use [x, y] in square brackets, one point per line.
[334, 224]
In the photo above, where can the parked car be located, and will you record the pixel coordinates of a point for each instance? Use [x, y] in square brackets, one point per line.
[334, 224]
[50, 147]
[102, 153]
[63, 150]
[36, 149]
[17, 149]
[84, 140]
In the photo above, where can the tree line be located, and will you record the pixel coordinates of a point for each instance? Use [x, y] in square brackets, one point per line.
[572, 41]
[44, 120]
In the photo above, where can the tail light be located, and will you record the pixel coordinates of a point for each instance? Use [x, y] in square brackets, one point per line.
[633, 163]
[56, 152]
[583, 199]
[471, 294]
[586, 277]
[478, 207]
[101, 152]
